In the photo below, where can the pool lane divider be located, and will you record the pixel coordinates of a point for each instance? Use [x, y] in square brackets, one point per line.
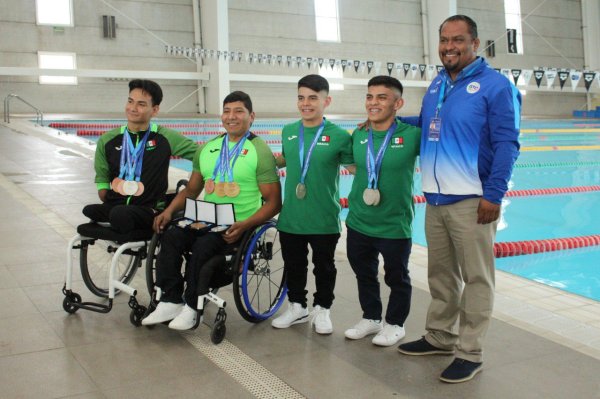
[517, 248]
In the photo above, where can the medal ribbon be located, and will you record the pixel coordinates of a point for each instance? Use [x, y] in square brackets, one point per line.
[132, 157]
[374, 164]
[227, 158]
[305, 163]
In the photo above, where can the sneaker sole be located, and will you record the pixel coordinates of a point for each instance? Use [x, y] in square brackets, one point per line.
[297, 321]
[465, 379]
[362, 336]
[432, 352]
[324, 332]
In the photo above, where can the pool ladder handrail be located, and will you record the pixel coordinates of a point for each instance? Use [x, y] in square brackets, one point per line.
[39, 118]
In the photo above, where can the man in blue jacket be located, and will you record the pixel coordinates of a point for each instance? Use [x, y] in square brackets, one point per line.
[470, 126]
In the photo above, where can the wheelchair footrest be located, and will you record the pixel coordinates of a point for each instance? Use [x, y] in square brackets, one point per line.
[95, 307]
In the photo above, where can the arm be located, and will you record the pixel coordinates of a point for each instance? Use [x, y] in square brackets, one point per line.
[271, 193]
[102, 179]
[181, 146]
[192, 190]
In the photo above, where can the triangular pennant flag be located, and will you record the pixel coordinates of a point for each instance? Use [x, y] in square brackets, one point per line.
[422, 68]
[363, 66]
[298, 61]
[279, 59]
[344, 64]
[526, 77]
[219, 54]
[430, 71]
[303, 61]
[251, 57]
[309, 61]
[538, 75]
[588, 78]
[439, 68]
[269, 59]
[288, 59]
[356, 65]
[338, 63]
[369, 66]
[563, 75]
[399, 69]
[550, 76]
[515, 74]
[331, 62]
[414, 68]
[575, 78]
[390, 68]
[320, 61]
[260, 58]
[406, 68]
[239, 56]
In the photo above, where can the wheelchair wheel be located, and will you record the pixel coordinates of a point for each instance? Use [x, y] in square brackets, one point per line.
[259, 276]
[69, 301]
[95, 257]
[153, 251]
[218, 332]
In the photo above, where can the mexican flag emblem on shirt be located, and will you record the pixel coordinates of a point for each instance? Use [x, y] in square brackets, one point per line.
[398, 140]
[151, 144]
[325, 139]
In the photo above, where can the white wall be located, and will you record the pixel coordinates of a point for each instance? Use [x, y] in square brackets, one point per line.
[379, 30]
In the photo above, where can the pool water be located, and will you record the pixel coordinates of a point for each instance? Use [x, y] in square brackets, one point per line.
[555, 154]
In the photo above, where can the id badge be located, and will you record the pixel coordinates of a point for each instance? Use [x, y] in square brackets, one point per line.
[435, 126]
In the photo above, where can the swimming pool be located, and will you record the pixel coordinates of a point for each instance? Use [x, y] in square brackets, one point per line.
[555, 154]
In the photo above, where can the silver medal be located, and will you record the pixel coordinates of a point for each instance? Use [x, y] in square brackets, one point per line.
[376, 196]
[301, 190]
[130, 187]
[371, 196]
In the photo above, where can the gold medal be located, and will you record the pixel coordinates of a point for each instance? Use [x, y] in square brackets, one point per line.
[301, 190]
[232, 189]
[220, 189]
[209, 186]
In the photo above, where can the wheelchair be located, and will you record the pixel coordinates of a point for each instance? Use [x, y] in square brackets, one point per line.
[254, 266]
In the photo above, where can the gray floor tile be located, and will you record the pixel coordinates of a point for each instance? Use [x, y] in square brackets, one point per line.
[27, 333]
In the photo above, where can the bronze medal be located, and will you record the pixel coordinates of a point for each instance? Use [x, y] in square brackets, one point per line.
[220, 189]
[116, 184]
[140, 189]
[301, 190]
[232, 189]
[209, 186]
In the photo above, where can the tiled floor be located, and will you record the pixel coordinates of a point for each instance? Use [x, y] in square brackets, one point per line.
[543, 343]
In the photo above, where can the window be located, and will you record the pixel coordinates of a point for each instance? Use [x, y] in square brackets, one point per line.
[512, 14]
[327, 20]
[47, 60]
[54, 12]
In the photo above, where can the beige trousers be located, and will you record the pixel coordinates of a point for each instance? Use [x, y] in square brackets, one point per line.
[461, 277]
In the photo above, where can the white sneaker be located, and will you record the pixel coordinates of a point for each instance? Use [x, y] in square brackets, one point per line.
[363, 328]
[319, 317]
[185, 320]
[164, 311]
[294, 314]
[390, 335]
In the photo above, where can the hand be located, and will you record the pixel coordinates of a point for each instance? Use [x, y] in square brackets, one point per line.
[487, 212]
[234, 233]
[161, 221]
[364, 125]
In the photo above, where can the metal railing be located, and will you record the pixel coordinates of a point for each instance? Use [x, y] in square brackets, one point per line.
[39, 118]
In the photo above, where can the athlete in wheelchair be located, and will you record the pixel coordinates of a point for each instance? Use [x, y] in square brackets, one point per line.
[131, 164]
[234, 168]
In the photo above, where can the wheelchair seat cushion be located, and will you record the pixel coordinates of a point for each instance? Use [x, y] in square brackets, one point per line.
[94, 230]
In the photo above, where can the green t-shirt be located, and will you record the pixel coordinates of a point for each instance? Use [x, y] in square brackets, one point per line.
[393, 217]
[318, 212]
[255, 165]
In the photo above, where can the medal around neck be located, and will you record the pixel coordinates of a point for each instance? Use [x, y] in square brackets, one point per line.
[371, 196]
[140, 189]
[130, 187]
[116, 185]
[209, 186]
[301, 190]
[220, 189]
[232, 189]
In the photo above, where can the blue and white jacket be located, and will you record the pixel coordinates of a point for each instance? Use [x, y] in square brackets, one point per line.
[478, 141]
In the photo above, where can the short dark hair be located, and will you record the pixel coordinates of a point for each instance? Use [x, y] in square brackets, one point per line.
[239, 96]
[472, 25]
[314, 82]
[149, 87]
[387, 81]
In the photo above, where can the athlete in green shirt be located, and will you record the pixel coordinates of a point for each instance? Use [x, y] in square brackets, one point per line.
[243, 179]
[313, 150]
[151, 147]
[381, 211]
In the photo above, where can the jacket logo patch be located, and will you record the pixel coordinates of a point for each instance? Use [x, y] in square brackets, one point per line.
[473, 87]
